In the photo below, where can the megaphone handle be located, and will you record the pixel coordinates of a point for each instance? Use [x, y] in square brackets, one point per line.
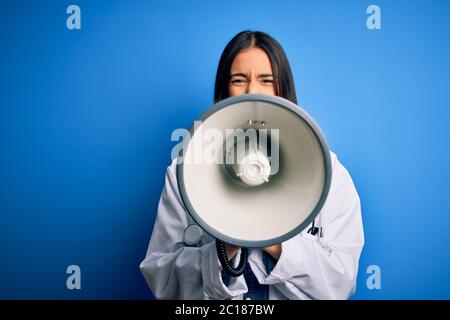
[226, 264]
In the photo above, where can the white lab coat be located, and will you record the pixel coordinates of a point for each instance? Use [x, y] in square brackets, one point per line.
[310, 267]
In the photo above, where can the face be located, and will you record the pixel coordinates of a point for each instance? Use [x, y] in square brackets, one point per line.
[251, 72]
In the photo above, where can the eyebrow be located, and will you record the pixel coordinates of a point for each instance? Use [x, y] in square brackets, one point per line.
[261, 75]
[238, 74]
[265, 75]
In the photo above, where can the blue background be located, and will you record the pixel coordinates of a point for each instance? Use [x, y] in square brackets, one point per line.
[86, 117]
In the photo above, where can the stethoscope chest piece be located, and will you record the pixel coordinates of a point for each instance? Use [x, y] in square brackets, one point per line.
[192, 234]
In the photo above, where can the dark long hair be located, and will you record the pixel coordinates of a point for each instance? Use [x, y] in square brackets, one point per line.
[284, 81]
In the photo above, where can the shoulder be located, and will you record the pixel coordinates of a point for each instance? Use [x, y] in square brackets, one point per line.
[340, 174]
[171, 182]
[172, 168]
[334, 159]
[342, 187]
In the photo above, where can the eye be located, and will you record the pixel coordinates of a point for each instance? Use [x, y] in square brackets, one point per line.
[238, 81]
[267, 81]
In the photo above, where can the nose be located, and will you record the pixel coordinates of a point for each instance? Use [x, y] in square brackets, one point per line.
[253, 87]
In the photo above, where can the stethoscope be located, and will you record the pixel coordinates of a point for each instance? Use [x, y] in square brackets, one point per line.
[193, 233]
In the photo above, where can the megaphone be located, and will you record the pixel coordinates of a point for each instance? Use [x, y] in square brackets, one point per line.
[254, 172]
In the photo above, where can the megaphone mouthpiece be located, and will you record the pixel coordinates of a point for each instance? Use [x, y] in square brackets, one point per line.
[254, 169]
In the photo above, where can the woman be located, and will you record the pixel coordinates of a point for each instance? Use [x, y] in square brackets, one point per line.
[310, 265]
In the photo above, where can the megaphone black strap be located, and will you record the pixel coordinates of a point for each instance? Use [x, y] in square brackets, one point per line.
[226, 264]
